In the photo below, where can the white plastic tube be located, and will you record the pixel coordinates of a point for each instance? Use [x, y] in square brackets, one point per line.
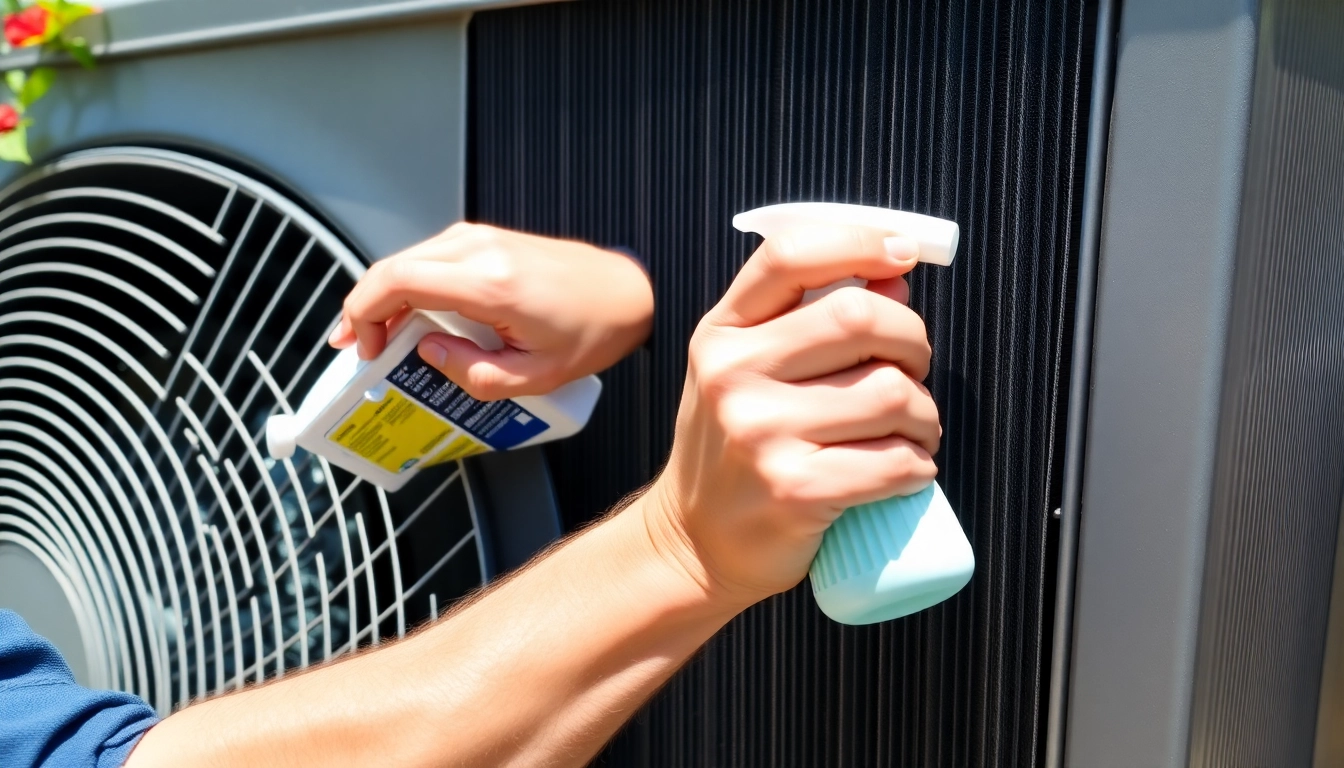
[386, 419]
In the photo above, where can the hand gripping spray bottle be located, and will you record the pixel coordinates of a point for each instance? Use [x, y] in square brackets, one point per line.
[385, 419]
[890, 558]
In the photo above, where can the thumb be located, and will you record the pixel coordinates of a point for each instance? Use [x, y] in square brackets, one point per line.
[485, 374]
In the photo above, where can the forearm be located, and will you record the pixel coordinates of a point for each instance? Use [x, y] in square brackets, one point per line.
[542, 671]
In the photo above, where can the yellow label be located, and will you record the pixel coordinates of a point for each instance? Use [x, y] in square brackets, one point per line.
[393, 433]
[460, 448]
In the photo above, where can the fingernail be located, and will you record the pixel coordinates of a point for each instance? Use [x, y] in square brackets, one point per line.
[434, 354]
[901, 249]
[336, 333]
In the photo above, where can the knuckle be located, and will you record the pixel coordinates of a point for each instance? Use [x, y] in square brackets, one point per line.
[460, 228]
[926, 470]
[715, 365]
[353, 305]
[396, 273]
[785, 479]
[702, 338]
[712, 384]
[709, 334]
[700, 353]
[922, 349]
[743, 422]
[499, 276]
[894, 390]
[911, 465]
[853, 311]
[374, 275]
[719, 376]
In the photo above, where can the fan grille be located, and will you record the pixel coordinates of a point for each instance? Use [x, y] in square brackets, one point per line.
[155, 310]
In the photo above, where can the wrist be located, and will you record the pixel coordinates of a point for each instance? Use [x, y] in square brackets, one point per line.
[654, 517]
[638, 293]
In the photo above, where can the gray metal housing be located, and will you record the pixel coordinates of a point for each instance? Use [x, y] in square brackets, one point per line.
[1212, 487]
[365, 121]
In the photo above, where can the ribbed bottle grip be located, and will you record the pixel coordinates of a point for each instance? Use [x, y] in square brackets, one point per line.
[867, 537]
[890, 558]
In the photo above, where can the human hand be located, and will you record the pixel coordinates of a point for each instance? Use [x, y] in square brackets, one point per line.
[564, 309]
[791, 414]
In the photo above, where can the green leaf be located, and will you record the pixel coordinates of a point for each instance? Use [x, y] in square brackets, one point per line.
[15, 78]
[39, 82]
[63, 13]
[14, 145]
[12, 6]
[78, 48]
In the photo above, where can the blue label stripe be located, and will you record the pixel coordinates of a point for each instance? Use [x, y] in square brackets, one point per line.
[501, 424]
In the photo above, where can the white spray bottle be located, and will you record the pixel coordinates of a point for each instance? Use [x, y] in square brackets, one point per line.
[890, 558]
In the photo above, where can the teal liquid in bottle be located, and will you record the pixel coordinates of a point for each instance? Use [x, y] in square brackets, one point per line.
[890, 558]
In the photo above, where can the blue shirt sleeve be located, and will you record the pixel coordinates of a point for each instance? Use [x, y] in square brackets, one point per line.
[47, 719]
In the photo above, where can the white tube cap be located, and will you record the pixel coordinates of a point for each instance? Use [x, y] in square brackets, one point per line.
[282, 432]
[937, 238]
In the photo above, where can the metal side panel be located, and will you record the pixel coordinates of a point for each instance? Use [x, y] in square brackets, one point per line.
[368, 127]
[135, 27]
[1330, 709]
[1179, 123]
[1279, 477]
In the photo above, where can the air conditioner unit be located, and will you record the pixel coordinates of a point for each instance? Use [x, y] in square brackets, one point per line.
[1138, 356]
[168, 271]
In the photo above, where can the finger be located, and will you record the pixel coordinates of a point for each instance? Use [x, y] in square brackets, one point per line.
[433, 284]
[896, 289]
[370, 339]
[487, 374]
[775, 277]
[843, 329]
[342, 335]
[863, 403]
[850, 474]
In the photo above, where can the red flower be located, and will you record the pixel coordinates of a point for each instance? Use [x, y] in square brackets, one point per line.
[27, 27]
[9, 118]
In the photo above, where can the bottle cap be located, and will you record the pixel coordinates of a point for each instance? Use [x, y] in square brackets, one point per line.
[281, 433]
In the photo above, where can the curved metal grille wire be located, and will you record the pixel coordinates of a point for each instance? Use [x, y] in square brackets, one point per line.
[155, 309]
